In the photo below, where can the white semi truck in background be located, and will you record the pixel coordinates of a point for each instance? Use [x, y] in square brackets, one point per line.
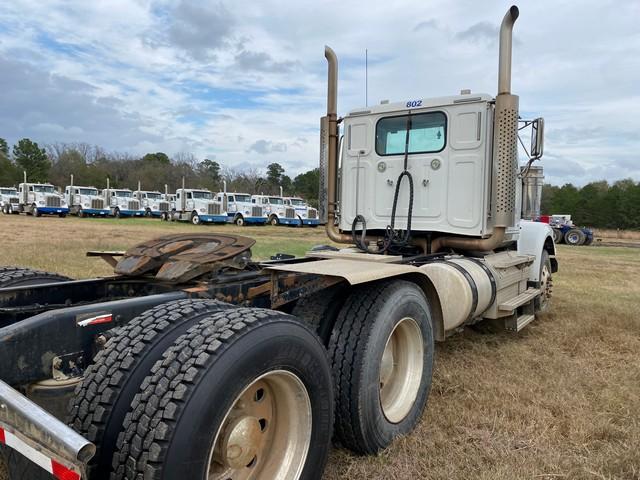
[9, 200]
[153, 202]
[240, 209]
[121, 202]
[164, 380]
[197, 206]
[275, 209]
[85, 201]
[306, 214]
[39, 199]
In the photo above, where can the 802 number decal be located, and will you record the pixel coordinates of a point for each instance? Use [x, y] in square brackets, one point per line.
[414, 103]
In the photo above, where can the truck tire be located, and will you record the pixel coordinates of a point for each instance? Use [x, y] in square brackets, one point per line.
[543, 302]
[266, 366]
[17, 277]
[574, 237]
[81, 213]
[62, 215]
[239, 221]
[381, 351]
[36, 212]
[112, 380]
[588, 240]
[557, 235]
[320, 310]
[116, 213]
[274, 220]
[164, 216]
[195, 219]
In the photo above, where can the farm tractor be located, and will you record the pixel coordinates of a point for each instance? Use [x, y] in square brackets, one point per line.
[194, 361]
[565, 231]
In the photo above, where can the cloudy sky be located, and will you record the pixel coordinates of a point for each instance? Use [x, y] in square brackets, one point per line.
[244, 81]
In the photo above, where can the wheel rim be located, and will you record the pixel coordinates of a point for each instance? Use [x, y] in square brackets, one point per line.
[573, 238]
[401, 370]
[266, 433]
[240, 221]
[195, 220]
[546, 286]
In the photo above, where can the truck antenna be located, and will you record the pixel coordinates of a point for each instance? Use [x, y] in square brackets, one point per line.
[366, 77]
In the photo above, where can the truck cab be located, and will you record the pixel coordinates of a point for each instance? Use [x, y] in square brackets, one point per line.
[307, 215]
[9, 200]
[122, 203]
[198, 206]
[241, 210]
[41, 199]
[153, 202]
[85, 201]
[277, 212]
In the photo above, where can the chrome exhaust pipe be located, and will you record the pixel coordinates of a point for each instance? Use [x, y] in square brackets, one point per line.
[505, 151]
[327, 202]
[506, 43]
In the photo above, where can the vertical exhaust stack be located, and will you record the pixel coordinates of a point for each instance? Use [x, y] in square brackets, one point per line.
[183, 198]
[71, 192]
[505, 151]
[25, 193]
[505, 132]
[327, 201]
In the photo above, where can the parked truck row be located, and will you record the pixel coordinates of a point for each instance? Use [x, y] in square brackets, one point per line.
[186, 204]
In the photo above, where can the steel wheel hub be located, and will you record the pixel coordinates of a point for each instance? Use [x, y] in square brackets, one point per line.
[401, 370]
[266, 433]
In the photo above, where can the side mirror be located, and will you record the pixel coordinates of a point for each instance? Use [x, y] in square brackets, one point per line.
[537, 138]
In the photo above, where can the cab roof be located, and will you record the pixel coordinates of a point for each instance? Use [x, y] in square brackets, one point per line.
[417, 104]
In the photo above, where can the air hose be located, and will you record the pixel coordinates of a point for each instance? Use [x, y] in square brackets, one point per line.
[394, 240]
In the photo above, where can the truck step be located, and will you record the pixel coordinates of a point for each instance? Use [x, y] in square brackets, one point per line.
[519, 323]
[515, 302]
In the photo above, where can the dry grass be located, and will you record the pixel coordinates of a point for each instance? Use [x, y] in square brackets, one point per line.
[560, 400]
[616, 234]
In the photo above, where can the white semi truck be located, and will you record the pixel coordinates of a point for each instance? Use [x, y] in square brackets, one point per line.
[164, 380]
[275, 209]
[240, 209]
[39, 199]
[197, 206]
[121, 202]
[85, 201]
[153, 202]
[9, 200]
[307, 215]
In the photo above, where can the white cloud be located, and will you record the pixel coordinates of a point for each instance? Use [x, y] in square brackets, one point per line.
[245, 81]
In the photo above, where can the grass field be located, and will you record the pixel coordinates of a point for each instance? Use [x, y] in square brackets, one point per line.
[560, 400]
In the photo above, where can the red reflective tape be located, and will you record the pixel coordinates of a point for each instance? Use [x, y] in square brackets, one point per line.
[102, 319]
[63, 473]
[106, 318]
[2, 439]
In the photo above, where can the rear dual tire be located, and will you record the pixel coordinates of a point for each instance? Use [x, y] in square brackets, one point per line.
[258, 389]
[104, 397]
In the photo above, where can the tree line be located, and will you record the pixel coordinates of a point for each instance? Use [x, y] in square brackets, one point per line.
[92, 165]
[597, 204]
